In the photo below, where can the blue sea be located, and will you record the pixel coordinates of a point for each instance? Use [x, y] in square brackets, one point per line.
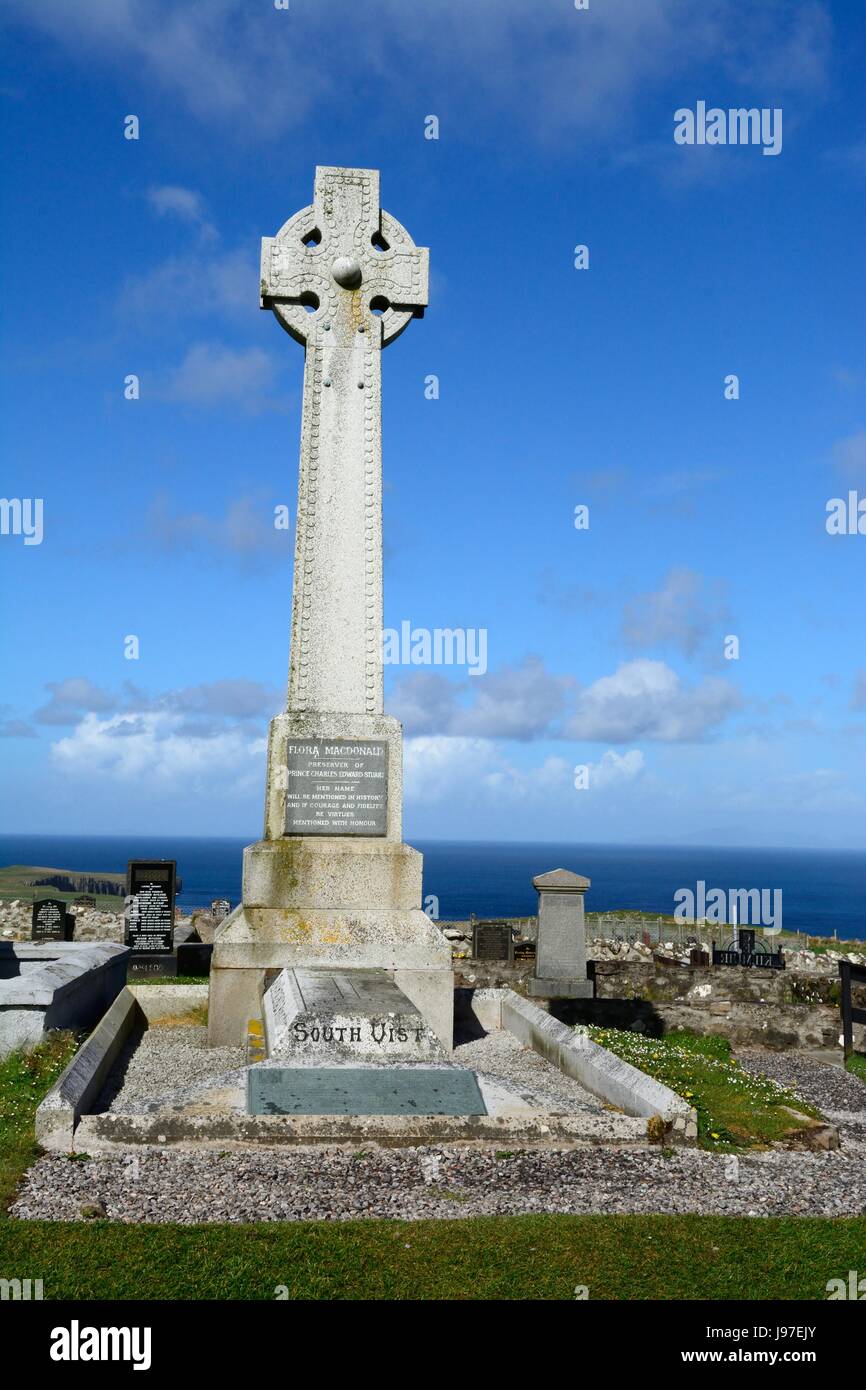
[823, 891]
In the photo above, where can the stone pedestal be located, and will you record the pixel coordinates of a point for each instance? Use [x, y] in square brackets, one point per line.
[329, 902]
[560, 962]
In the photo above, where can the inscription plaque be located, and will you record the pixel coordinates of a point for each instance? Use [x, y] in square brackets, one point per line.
[337, 786]
[150, 888]
[408, 1090]
[51, 921]
[493, 941]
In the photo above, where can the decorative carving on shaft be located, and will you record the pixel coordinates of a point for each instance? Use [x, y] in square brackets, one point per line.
[344, 278]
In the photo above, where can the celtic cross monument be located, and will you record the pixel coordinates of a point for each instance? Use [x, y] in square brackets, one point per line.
[331, 886]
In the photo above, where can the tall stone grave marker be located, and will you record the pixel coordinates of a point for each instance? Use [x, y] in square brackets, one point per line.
[151, 885]
[560, 962]
[331, 885]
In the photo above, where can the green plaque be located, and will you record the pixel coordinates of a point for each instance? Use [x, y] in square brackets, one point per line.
[410, 1090]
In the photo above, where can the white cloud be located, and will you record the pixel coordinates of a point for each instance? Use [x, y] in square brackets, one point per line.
[647, 700]
[198, 284]
[684, 613]
[477, 772]
[202, 706]
[245, 534]
[237, 699]
[212, 374]
[642, 700]
[70, 699]
[850, 457]
[858, 694]
[184, 203]
[615, 768]
[518, 702]
[153, 746]
[550, 66]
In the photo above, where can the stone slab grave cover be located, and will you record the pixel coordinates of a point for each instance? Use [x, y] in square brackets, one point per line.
[560, 961]
[321, 1017]
[331, 884]
[54, 985]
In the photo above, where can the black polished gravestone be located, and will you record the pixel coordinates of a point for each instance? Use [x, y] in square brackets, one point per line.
[51, 921]
[493, 941]
[150, 892]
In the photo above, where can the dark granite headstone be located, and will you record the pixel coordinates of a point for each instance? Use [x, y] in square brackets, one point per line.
[493, 941]
[193, 958]
[51, 921]
[337, 786]
[150, 888]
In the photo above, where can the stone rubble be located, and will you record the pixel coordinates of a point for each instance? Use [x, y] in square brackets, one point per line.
[91, 924]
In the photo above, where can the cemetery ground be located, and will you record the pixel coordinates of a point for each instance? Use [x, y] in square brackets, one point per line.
[666, 1249]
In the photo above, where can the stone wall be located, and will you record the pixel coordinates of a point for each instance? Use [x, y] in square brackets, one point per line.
[763, 1008]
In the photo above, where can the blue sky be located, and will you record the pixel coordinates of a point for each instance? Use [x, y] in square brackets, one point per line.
[558, 387]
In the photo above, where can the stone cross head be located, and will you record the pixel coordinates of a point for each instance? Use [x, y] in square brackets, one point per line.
[344, 266]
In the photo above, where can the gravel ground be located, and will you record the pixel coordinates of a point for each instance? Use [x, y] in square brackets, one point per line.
[335, 1184]
[166, 1066]
[163, 1065]
[504, 1058]
[839, 1096]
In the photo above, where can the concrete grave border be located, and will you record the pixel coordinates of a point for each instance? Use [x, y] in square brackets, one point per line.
[64, 1123]
[62, 985]
[80, 1084]
[600, 1072]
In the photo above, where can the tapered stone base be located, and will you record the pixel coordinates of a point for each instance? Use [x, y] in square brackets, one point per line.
[331, 902]
[334, 929]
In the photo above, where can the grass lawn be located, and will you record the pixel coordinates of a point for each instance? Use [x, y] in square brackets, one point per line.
[526, 1257]
[24, 1079]
[736, 1109]
[856, 1064]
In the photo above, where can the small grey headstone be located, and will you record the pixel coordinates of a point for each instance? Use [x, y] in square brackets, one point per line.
[493, 941]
